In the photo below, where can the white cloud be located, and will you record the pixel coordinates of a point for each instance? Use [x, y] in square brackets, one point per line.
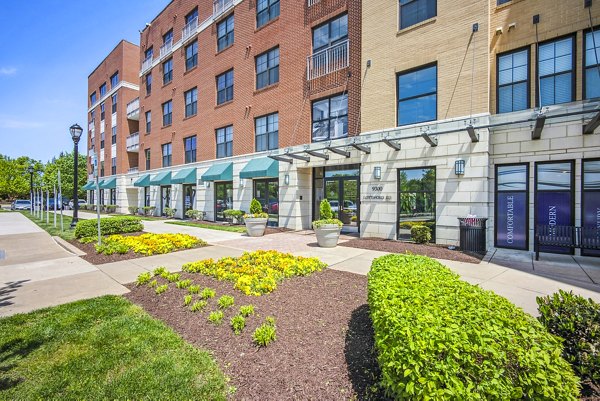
[8, 71]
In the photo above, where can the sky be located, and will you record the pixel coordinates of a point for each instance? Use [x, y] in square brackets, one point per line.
[47, 50]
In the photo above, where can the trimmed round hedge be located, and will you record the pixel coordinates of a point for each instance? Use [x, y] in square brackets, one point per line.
[439, 337]
[108, 226]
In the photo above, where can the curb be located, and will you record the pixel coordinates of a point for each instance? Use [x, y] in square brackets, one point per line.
[67, 246]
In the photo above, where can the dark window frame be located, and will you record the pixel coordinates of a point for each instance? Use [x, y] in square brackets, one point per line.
[225, 148]
[191, 61]
[114, 80]
[330, 43]
[168, 116]
[271, 72]
[148, 82]
[583, 191]
[190, 151]
[191, 15]
[103, 89]
[329, 117]
[167, 158]
[419, 20]
[167, 74]
[538, 78]
[596, 30]
[268, 134]
[147, 156]
[168, 36]
[227, 91]
[528, 81]
[191, 108]
[113, 166]
[527, 207]
[114, 100]
[113, 135]
[148, 121]
[398, 100]
[272, 10]
[102, 111]
[227, 39]
[434, 197]
[93, 98]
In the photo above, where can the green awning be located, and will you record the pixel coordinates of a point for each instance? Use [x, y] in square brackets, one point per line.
[186, 176]
[219, 172]
[90, 186]
[143, 181]
[259, 168]
[109, 183]
[160, 179]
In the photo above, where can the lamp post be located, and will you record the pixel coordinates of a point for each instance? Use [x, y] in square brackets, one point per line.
[30, 171]
[76, 131]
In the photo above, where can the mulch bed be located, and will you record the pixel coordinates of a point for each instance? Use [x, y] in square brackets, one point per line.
[99, 258]
[431, 250]
[324, 348]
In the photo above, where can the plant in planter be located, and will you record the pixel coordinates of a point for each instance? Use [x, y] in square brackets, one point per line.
[149, 210]
[111, 208]
[194, 214]
[132, 210]
[170, 212]
[327, 228]
[256, 220]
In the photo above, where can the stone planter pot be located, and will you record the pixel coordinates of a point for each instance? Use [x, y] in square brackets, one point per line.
[255, 227]
[328, 235]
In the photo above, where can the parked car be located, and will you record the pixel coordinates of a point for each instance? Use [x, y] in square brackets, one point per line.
[81, 202]
[20, 204]
[348, 205]
[50, 204]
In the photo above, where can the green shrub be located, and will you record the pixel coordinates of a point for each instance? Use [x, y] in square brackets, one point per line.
[246, 310]
[577, 321]
[438, 337]
[149, 210]
[208, 293]
[153, 283]
[183, 284]
[216, 317]
[226, 301]
[161, 288]
[325, 210]
[420, 234]
[265, 333]
[173, 277]
[133, 210]
[143, 278]
[111, 247]
[110, 208]
[255, 206]
[194, 289]
[198, 306]
[232, 214]
[161, 271]
[108, 226]
[170, 212]
[187, 300]
[238, 323]
[194, 214]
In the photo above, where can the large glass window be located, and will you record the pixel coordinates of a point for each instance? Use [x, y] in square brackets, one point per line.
[267, 193]
[148, 54]
[168, 37]
[266, 10]
[592, 65]
[189, 145]
[148, 121]
[330, 33]
[148, 80]
[93, 98]
[225, 142]
[416, 200]
[512, 206]
[555, 71]
[225, 87]
[417, 95]
[167, 71]
[146, 196]
[147, 157]
[114, 80]
[414, 11]
[223, 199]
[167, 152]
[330, 118]
[191, 16]
[103, 89]
[191, 56]
[225, 33]
[167, 113]
[590, 204]
[513, 81]
[191, 102]
[267, 68]
[267, 132]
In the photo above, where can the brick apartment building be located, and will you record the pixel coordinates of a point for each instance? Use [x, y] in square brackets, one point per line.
[398, 112]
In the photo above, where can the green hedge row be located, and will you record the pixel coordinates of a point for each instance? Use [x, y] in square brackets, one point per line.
[438, 337]
[108, 226]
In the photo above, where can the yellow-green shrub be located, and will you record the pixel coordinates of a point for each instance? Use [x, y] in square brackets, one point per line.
[108, 226]
[149, 244]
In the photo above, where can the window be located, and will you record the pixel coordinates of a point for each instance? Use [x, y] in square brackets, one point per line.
[555, 71]
[102, 140]
[149, 53]
[191, 56]
[414, 11]
[147, 156]
[266, 10]
[500, 2]
[330, 118]
[330, 33]
[101, 172]
[148, 80]
[113, 166]
[513, 81]
[267, 132]
[93, 116]
[225, 87]
[191, 16]
[146, 196]
[592, 65]
[148, 122]
[93, 98]
[168, 37]
[225, 142]
[167, 113]
[512, 206]
[189, 145]
[113, 139]
[166, 155]
[416, 200]
[267, 68]
[113, 106]
[103, 89]
[225, 33]
[191, 102]
[417, 95]
[114, 80]
[167, 71]
[102, 112]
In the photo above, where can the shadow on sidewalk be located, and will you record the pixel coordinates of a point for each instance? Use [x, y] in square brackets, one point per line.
[7, 290]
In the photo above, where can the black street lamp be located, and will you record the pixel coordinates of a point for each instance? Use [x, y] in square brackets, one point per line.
[76, 131]
[30, 171]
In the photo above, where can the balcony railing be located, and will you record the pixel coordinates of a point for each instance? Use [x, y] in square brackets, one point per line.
[190, 29]
[146, 64]
[313, 2]
[133, 109]
[133, 142]
[220, 6]
[166, 48]
[133, 170]
[328, 60]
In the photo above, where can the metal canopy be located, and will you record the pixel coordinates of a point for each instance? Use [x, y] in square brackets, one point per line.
[299, 157]
[317, 154]
[540, 120]
[592, 125]
[393, 145]
[471, 130]
[281, 159]
[429, 139]
[362, 148]
[344, 153]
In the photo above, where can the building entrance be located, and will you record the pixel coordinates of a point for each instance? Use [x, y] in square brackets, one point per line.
[340, 185]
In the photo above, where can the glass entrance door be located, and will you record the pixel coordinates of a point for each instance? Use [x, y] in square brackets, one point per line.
[189, 198]
[342, 194]
[223, 199]
[165, 196]
[267, 193]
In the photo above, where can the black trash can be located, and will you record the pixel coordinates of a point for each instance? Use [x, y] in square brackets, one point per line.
[472, 234]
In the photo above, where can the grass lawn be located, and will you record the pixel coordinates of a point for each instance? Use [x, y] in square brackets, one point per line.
[234, 229]
[67, 234]
[103, 348]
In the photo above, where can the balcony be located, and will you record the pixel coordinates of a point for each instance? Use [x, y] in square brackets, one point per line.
[147, 64]
[133, 143]
[133, 170]
[220, 7]
[329, 60]
[133, 109]
[166, 48]
[189, 30]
